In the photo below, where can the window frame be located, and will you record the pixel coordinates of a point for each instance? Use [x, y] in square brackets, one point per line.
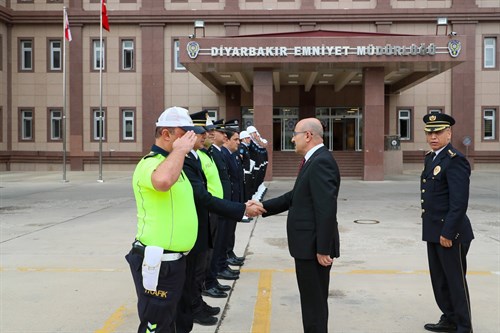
[122, 54]
[123, 110]
[94, 125]
[50, 123]
[23, 121]
[176, 65]
[495, 123]
[94, 58]
[410, 119]
[50, 55]
[22, 54]
[495, 50]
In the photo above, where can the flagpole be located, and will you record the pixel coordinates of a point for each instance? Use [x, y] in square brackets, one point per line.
[100, 95]
[64, 95]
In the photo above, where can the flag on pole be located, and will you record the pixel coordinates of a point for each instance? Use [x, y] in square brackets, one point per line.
[104, 13]
[67, 32]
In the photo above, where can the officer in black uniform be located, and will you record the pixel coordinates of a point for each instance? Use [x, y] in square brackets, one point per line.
[445, 225]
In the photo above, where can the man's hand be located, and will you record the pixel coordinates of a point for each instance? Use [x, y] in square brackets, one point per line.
[254, 208]
[445, 242]
[185, 143]
[324, 259]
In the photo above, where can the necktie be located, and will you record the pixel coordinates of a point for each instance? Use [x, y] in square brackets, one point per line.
[302, 164]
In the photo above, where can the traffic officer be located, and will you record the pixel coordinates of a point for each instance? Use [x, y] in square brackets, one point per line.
[445, 225]
[166, 222]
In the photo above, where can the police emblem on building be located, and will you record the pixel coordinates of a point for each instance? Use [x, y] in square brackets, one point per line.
[193, 48]
[454, 47]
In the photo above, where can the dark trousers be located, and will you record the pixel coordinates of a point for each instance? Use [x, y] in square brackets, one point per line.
[184, 318]
[157, 309]
[448, 267]
[313, 281]
[212, 255]
[231, 237]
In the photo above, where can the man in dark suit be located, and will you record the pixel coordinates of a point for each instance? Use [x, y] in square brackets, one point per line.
[445, 225]
[312, 228]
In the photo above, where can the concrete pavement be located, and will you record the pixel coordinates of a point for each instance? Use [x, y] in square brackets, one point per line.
[62, 266]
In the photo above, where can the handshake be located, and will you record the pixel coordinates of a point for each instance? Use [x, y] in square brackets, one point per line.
[254, 208]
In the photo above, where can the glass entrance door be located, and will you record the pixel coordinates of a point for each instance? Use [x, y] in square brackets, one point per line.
[342, 127]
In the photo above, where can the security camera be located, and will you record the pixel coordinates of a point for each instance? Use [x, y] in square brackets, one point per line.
[191, 36]
[453, 33]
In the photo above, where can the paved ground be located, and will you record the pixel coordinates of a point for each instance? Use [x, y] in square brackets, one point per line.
[62, 267]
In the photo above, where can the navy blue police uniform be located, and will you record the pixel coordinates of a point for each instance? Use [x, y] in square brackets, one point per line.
[444, 191]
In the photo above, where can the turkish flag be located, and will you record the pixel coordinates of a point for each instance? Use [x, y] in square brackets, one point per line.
[105, 21]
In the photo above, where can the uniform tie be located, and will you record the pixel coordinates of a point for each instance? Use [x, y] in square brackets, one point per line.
[429, 161]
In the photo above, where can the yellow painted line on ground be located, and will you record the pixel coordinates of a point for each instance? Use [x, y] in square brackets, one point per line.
[368, 272]
[262, 310]
[114, 321]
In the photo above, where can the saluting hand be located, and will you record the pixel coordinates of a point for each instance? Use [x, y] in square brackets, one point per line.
[185, 143]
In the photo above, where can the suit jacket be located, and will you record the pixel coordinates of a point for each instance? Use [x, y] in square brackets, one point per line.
[445, 196]
[206, 202]
[235, 171]
[312, 203]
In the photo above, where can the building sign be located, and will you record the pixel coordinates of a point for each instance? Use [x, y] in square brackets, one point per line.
[422, 49]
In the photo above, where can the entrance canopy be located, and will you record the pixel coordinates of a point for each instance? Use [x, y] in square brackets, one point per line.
[326, 58]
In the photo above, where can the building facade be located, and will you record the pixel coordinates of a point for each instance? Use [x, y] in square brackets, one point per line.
[368, 69]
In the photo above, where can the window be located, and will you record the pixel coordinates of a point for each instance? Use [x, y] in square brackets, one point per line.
[26, 124]
[404, 124]
[56, 125]
[127, 58]
[177, 64]
[55, 56]
[99, 124]
[128, 125]
[96, 47]
[26, 54]
[490, 52]
[489, 122]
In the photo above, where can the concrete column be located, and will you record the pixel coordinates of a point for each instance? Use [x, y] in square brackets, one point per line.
[75, 93]
[263, 111]
[463, 91]
[153, 78]
[373, 123]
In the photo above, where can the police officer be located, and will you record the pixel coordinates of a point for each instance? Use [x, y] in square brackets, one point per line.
[166, 222]
[446, 227]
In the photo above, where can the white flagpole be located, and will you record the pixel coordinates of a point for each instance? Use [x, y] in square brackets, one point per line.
[64, 96]
[100, 95]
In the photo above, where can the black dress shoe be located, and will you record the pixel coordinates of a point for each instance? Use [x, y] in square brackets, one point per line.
[234, 271]
[234, 262]
[227, 275]
[203, 319]
[223, 287]
[214, 292]
[210, 310]
[233, 255]
[442, 326]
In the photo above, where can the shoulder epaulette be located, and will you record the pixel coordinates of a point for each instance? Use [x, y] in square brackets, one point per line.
[430, 151]
[451, 153]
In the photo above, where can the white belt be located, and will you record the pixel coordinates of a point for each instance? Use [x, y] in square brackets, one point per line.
[171, 256]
